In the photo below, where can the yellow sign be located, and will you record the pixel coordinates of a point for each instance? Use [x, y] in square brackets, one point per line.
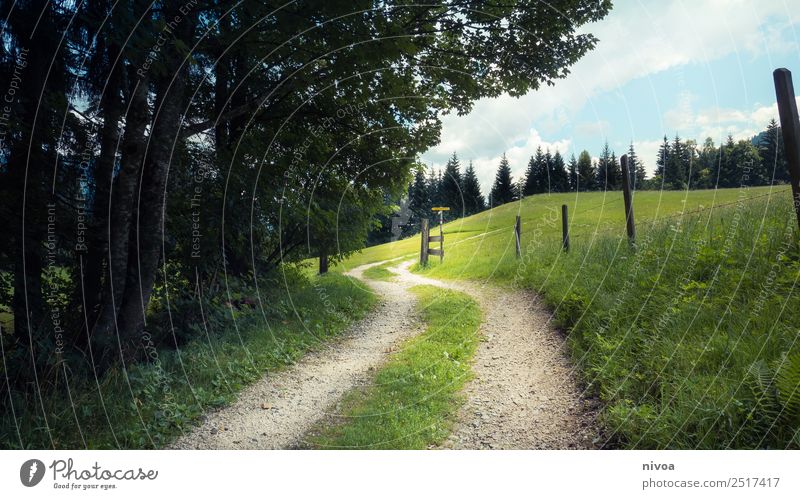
[441, 208]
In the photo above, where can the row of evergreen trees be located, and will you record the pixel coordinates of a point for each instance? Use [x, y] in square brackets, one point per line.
[460, 192]
[680, 164]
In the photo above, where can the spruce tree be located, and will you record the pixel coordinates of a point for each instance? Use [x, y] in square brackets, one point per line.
[676, 167]
[503, 188]
[433, 187]
[728, 169]
[636, 169]
[418, 202]
[470, 187]
[586, 172]
[607, 169]
[536, 178]
[771, 150]
[664, 152]
[572, 169]
[559, 178]
[530, 186]
[450, 189]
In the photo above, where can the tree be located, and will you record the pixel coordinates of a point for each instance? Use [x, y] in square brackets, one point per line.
[470, 187]
[729, 172]
[419, 205]
[248, 134]
[587, 180]
[536, 175]
[434, 189]
[573, 173]
[607, 169]
[663, 159]
[559, 178]
[677, 165]
[773, 158]
[503, 188]
[707, 164]
[636, 169]
[451, 195]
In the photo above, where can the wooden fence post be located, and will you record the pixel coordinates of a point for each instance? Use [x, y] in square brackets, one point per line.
[423, 252]
[790, 126]
[518, 235]
[564, 228]
[626, 194]
[323, 263]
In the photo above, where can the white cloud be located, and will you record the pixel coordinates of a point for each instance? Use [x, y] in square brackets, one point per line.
[486, 164]
[636, 40]
[718, 123]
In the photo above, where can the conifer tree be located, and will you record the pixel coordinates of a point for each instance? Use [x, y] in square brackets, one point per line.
[450, 189]
[559, 178]
[771, 150]
[503, 188]
[586, 172]
[473, 199]
[572, 170]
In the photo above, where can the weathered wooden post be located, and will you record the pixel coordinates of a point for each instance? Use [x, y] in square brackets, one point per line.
[518, 235]
[423, 252]
[323, 263]
[790, 126]
[564, 228]
[626, 194]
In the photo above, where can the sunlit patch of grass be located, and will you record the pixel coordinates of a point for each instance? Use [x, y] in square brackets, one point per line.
[380, 272]
[414, 398]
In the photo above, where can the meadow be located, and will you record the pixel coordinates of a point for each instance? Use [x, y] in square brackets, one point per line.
[689, 337]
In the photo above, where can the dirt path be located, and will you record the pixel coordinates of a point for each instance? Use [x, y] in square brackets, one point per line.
[277, 411]
[523, 396]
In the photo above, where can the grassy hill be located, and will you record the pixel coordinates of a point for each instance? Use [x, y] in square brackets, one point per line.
[690, 339]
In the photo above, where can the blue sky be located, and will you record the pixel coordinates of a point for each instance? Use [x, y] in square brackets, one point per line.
[699, 69]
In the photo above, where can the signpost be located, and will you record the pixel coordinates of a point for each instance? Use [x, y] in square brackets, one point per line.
[441, 210]
[427, 238]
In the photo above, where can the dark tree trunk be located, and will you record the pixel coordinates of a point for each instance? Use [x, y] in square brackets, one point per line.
[146, 234]
[122, 211]
[95, 271]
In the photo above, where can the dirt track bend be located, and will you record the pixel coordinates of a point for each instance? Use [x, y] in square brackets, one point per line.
[523, 394]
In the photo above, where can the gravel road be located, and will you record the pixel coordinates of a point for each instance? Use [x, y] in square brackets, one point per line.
[524, 394]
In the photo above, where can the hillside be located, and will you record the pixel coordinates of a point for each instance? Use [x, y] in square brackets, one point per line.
[690, 339]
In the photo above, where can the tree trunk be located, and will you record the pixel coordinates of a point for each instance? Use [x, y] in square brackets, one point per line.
[122, 211]
[146, 236]
[95, 271]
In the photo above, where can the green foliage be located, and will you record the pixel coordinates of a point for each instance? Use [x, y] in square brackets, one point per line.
[503, 188]
[414, 398]
[666, 334]
[148, 404]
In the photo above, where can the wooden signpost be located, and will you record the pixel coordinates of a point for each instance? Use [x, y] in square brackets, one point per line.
[518, 236]
[427, 238]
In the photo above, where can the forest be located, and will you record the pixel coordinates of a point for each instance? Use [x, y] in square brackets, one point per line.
[159, 160]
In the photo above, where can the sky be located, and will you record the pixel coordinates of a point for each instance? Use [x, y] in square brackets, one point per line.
[693, 68]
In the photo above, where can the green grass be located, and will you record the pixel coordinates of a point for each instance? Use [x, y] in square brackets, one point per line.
[150, 404]
[414, 398]
[591, 213]
[380, 272]
[669, 335]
